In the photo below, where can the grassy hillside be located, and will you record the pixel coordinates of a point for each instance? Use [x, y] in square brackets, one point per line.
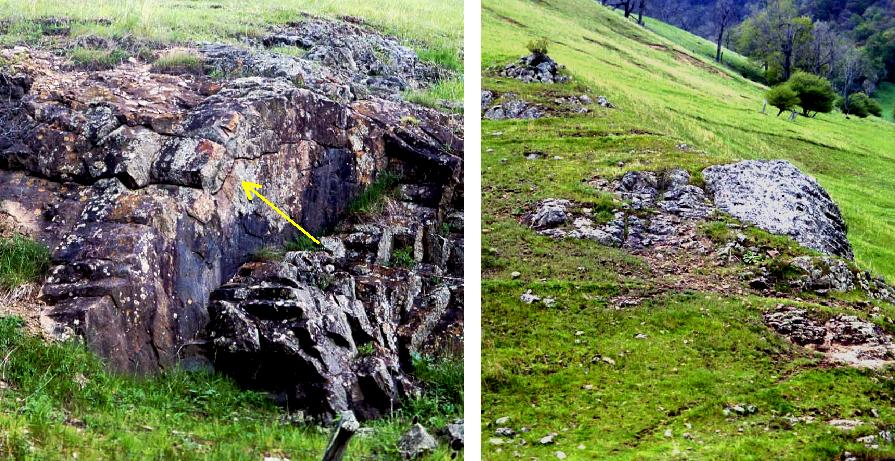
[436, 28]
[706, 346]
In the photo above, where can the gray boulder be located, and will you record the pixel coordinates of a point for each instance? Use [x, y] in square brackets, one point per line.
[777, 197]
[416, 442]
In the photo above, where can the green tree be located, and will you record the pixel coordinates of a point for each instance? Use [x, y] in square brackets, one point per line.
[858, 105]
[783, 97]
[815, 93]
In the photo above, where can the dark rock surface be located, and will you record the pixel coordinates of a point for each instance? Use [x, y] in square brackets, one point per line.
[535, 68]
[133, 179]
[777, 197]
[335, 329]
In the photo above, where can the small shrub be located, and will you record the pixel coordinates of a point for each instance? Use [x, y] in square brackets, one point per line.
[366, 350]
[178, 63]
[537, 46]
[96, 59]
[403, 257]
[21, 261]
[782, 97]
[874, 107]
[815, 93]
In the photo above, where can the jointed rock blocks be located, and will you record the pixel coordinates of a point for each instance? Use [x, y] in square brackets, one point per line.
[133, 179]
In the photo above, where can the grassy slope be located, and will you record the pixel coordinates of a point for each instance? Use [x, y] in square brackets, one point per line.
[56, 402]
[703, 351]
[434, 29]
[886, 97]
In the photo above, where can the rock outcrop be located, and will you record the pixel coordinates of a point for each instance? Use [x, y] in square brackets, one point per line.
[842, 339]
[335, 329]
[535, 68]
[133, 179]
[777, 197]
[662, 208]
[341, 60]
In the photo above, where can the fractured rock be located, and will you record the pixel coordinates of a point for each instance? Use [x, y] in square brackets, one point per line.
[133, 178]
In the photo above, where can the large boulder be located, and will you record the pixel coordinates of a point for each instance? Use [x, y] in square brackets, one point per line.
[777, 197]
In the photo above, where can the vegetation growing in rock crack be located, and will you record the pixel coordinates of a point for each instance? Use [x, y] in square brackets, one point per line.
[21, 260]
[371, 199]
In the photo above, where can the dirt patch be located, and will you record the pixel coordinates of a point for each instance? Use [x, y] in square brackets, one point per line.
[687, 59]
[23, 302]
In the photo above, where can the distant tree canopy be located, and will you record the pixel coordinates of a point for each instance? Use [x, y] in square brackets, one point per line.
[784, 36]
[783, 97]
[815, 93]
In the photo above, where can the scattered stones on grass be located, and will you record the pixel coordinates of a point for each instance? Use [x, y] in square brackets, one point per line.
[547, 439]
[528, 297]
[513, 108]
[535, 68]
[845, 424]
[740, 409]
[416, 442]
[504, 432]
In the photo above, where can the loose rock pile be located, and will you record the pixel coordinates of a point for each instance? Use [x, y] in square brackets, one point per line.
[535, 68]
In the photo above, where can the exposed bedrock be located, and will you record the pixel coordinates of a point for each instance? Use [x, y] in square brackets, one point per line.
[133, 179]
[661, 207]
[777, 197]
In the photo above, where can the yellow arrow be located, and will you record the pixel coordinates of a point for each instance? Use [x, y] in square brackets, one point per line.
[251, 190]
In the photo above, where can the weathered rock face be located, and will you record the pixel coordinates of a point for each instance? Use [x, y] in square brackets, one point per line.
[344, 61]
[133, 178]
[777, 197]
[659, 209]
[335, 330]
[535, 68]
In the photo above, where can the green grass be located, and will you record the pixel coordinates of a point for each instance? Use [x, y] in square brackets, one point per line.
[371, 199]
[178, 62]
[22, 261]
[58, 403]
[703, 351]
[436, 95]
[97, 59]
[434, 28]
[885, 95]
